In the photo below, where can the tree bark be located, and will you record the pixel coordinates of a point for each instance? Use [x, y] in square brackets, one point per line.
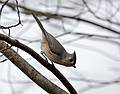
[31, 72]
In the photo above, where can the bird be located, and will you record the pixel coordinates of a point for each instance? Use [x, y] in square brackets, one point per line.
[53, 49]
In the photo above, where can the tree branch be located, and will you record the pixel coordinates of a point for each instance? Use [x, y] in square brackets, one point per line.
[48, 15]
[32, 73]
[18, 13]
[40, 60]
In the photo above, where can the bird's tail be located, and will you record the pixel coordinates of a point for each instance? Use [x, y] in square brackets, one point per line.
[40, 24]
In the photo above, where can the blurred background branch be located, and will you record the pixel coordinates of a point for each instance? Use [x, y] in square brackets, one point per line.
[92, 27]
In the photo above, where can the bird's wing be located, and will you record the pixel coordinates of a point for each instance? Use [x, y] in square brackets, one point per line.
[54, 45]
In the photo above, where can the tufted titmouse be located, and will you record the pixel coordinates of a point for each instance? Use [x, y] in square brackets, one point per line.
[54, 50]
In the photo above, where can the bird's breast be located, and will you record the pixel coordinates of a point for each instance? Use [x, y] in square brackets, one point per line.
[53, 57]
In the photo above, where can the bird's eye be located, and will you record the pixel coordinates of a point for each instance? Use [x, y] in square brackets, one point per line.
[71, 60]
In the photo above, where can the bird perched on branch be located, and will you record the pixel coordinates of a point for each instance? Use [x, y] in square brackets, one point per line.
[53, 49]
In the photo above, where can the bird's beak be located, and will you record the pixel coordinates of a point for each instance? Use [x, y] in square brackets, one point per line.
[74, 66]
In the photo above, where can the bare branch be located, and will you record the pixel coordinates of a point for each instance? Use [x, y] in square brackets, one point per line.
[18, 13]
[32, 73]
[49, 15]
[3, 7]
[40, 60]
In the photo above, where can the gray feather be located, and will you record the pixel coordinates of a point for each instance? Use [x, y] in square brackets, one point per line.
[54, 45]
